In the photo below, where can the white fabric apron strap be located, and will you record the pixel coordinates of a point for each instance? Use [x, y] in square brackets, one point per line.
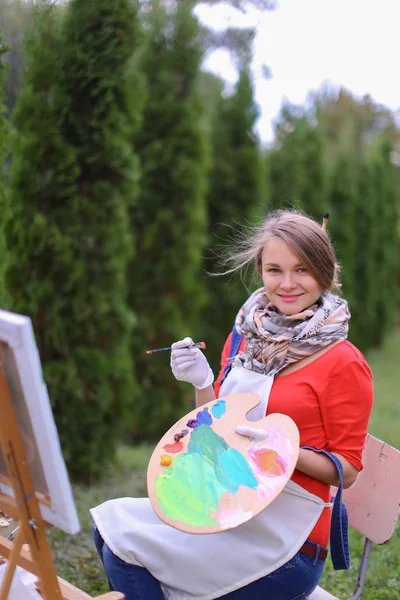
[242, 380]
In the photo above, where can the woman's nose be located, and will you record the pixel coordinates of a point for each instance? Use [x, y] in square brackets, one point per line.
[287, 282]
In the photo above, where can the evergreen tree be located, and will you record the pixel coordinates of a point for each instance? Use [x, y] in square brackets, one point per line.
[74, 177]
[387, 237]
[3, 153]
[367, 296]
[210, 88]
[3, 124]
[234, 200]
[376, 248]
[312, 192]
[165, 279]
[343, 209]
[296, 175]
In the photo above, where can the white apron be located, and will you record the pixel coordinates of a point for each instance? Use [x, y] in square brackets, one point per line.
[207, 566]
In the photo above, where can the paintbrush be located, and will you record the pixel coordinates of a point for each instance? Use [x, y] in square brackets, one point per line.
[325, 221]
[201, 345]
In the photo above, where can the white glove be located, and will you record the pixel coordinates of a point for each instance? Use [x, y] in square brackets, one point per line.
[189, 364]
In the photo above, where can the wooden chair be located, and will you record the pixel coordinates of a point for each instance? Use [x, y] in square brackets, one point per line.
[373, 505]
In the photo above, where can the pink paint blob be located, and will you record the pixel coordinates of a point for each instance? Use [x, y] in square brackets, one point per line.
[174, 448]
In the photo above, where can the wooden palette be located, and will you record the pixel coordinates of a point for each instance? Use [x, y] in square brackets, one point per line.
[205, 477]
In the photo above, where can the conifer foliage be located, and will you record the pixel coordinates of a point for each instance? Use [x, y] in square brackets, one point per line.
[344, 208]
[234, 200]
[73, 179]
[3, 152]
[295, 165]
[387, 246]
[169, 220]
[3, 125]
[364, 230]
[324, 161]
[367, 296]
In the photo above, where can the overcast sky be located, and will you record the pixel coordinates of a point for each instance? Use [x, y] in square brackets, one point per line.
[354, 43]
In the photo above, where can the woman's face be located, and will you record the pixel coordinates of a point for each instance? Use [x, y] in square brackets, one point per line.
[288, 283]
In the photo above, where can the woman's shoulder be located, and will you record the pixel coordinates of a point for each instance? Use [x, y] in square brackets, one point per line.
[345, 355]
[346, 351]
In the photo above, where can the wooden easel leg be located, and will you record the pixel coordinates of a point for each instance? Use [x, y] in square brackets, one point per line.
[12, 565]
[30, 521]
[25, 508]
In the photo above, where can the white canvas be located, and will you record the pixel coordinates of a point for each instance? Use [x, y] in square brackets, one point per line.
[21, 363]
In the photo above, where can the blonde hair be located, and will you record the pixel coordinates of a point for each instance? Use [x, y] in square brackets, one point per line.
[302, 234]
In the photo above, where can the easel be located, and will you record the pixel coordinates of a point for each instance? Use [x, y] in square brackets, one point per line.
[25, 509]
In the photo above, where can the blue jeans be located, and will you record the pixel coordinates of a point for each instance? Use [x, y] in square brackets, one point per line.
[295, 580]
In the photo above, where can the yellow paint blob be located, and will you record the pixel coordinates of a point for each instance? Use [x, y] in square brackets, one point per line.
[165, 460]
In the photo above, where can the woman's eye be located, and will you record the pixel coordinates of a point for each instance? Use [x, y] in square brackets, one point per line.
[302, 270]
[273, 270]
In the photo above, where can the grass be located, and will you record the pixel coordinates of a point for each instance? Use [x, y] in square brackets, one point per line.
[75, 557]
[77, 560]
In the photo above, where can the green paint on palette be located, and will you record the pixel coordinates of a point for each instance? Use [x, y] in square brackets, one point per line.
[190, 490]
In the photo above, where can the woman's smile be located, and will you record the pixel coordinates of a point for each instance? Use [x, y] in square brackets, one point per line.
[291, 298]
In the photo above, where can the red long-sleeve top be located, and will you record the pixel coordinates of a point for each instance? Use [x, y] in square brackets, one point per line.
[330, 400]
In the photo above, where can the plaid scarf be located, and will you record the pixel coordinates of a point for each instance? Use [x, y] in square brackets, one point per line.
[274, 340]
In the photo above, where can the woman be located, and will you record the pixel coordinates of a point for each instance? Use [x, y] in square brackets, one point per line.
[295, 355]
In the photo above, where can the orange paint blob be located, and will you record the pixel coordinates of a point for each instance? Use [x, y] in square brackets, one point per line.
[269, 461]
[266, 459]
[165, 460]
[174, 448]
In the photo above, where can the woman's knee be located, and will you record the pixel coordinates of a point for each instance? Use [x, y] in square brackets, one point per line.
[116, 570]
[135, 582]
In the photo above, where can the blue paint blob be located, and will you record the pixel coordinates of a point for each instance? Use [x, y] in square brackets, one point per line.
[219, 409]
[203, 417]
[232, 471]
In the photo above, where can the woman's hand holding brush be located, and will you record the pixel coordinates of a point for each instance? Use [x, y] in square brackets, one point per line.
[189, 364]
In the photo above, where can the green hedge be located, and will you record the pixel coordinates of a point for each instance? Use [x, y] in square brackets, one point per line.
[74, 180]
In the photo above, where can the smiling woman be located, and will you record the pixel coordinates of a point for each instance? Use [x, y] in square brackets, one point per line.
[295, 356]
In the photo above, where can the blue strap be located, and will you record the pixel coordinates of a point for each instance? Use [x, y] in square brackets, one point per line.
[339, 541]
[233, 350]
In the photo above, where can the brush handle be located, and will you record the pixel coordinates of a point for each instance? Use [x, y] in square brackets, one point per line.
[158, 350]
[201, 345]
